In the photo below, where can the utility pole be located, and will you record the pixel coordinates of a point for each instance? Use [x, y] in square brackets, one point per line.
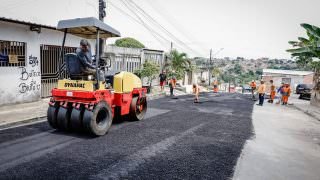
[209, 67]
[170, 54]
[102, 14]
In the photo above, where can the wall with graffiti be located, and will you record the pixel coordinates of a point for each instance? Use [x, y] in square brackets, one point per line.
[22, 83]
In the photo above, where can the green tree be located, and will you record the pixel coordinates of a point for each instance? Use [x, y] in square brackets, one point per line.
[129, 43]
[216, 72]
[227, 77]
[251, 73]
[238, 68]
[179, 64]
[150, 70]
[306, 51]
[259, 72]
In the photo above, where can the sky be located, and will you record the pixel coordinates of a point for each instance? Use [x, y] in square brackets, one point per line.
[242, 28]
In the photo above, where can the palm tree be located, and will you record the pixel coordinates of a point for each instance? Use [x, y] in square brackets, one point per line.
[179, 64]
[307, 53]
[216, 72]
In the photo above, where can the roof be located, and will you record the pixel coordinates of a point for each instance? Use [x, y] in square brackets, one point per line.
[287, 72]
[26, 23]
[154, 50]
[87, 28]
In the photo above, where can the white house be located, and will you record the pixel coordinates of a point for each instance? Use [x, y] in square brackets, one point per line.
[28, 55]
[287, 76]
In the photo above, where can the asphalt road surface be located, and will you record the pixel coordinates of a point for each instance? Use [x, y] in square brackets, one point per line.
[177, 140]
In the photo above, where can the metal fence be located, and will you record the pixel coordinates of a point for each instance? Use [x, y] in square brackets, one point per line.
[12, 53]
[126, 62]
[49, 67]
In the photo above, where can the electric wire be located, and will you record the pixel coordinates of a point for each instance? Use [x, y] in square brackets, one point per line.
[152, 20]
[174, 23]
[155, 34]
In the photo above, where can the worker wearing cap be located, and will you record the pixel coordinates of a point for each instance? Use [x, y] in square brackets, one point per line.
[85, 58]
[286, 93]
[261, 91]
[253, 86]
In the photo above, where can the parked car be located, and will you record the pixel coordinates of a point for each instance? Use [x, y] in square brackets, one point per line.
[302, 87]
[304, 90]
[246, 89]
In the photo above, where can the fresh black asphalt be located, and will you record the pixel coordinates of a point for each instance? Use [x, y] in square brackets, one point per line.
[177, 140]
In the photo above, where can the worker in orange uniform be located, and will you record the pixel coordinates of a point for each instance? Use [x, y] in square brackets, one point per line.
[215, 86]
[172, 85]
[286, 93]
[253, 86]
[272, 92]
[261, 91]
[196, 91]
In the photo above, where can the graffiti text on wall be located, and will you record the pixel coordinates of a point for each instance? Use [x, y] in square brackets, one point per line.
[28, 84]
[33, 61]
[25, 75]
[27, 87]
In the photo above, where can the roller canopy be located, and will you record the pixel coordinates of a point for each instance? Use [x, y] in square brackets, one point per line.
[87, 28]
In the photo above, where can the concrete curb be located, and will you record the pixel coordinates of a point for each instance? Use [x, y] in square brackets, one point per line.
[306, 112]
[22, 123]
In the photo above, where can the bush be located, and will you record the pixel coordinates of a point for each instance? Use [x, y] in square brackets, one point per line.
[129, 43]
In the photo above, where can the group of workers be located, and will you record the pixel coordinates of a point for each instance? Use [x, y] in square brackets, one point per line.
[172, 82]
[284, 91]
[172, 85]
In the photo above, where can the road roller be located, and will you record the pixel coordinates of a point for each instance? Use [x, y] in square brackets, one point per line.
[89, 103]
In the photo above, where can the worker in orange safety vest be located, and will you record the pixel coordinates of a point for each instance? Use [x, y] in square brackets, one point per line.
[172, 85]
[272, 92]
[253, 86]
[286, 92]
[215, 86]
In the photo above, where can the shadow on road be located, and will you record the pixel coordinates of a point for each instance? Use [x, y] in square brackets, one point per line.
[76, 134]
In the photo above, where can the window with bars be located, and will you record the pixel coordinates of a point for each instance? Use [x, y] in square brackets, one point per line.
[12, 53]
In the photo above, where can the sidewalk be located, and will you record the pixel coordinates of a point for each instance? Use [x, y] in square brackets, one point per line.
[16, 114]
[285, 146]
[304, 106]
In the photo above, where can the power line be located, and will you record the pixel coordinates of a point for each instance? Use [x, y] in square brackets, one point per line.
[135, 20]
[161, 26]
[125, 13]
[153, 33]
[152, 20]
[156, 34]
[173, 22]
